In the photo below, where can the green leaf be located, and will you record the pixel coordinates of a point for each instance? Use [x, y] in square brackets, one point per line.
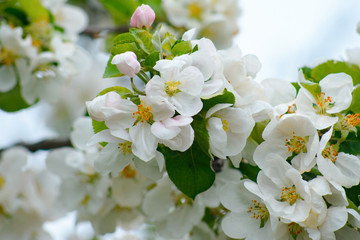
[296, 86]
[352, 143]
[35, 10]
[143, 38]
[256, 133]
[191, 170]
[353, 194]
[355, 103]
[16, 16]
[111, 70]
[182, 47]
[124, 38]
[249, 171]
[151, 60]
[124, 47]
[313, 88]
[120, 10]
[322, 70]
[307, 72]
[224, 97]
[12, 100]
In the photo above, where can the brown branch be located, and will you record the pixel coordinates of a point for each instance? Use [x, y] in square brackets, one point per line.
[44, 145]
[97, 32]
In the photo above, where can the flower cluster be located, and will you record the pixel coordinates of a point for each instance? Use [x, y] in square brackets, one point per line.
[38, 50]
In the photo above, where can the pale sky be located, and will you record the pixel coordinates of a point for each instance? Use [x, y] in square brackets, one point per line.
[287, 34]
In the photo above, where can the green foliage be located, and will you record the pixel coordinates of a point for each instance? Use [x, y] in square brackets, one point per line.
[151, 60]
[322, 70]
[111, 70]
[352, 143]
[191, 170]
[256, 133]
[15, 16]
[224, 97]
[12, 100]
[313, 88]
[355, 103]
[120, 10]
[181, 47]
[35, 10]
[353, 194]
[249, 171]
[143, 39]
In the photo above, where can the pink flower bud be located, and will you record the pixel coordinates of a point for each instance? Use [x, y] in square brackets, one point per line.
[127, 63]
[143, 16]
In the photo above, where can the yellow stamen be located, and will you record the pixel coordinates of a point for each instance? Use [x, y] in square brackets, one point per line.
[85, 200]
[225, 125]
[7, 57]
[289, 194]
[125, 147]
[258, 210]
[143, 114]
[195, 10]
[171, 88]
[294, 229]
[296, 144]
[330, 153]
[2, 182]
[128, 172]
[323, 103]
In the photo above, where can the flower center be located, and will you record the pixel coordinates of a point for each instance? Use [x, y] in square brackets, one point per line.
[294, 229]
[45, 72]
[128, 172]
[225, 125]
[323, 103]
[7, 57]
[289, 194]
[181, 199]
[2, 182]
[195, 10]
[296, 144]
[85, 200]
[330, 153]
[350, 121]
[171, 88]
[143, 114]
[125, 147]
[259, 211]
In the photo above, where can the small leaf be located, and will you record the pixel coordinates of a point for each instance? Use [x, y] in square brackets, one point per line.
[307, 72]
[12, 100]
[249, 171]
[35, 10]
[313, 88]
[256, 133]
[352, 143]
[296, 86]
[355, 106]
[182, 47]
[143, 38]
[353, 194]
[125, 47]
[322, 70]
[111, 70]
[224, 97]
[124, 38]
[151, 60]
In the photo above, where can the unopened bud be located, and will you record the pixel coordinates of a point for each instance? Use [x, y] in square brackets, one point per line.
[127, 63]
[143, 16]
